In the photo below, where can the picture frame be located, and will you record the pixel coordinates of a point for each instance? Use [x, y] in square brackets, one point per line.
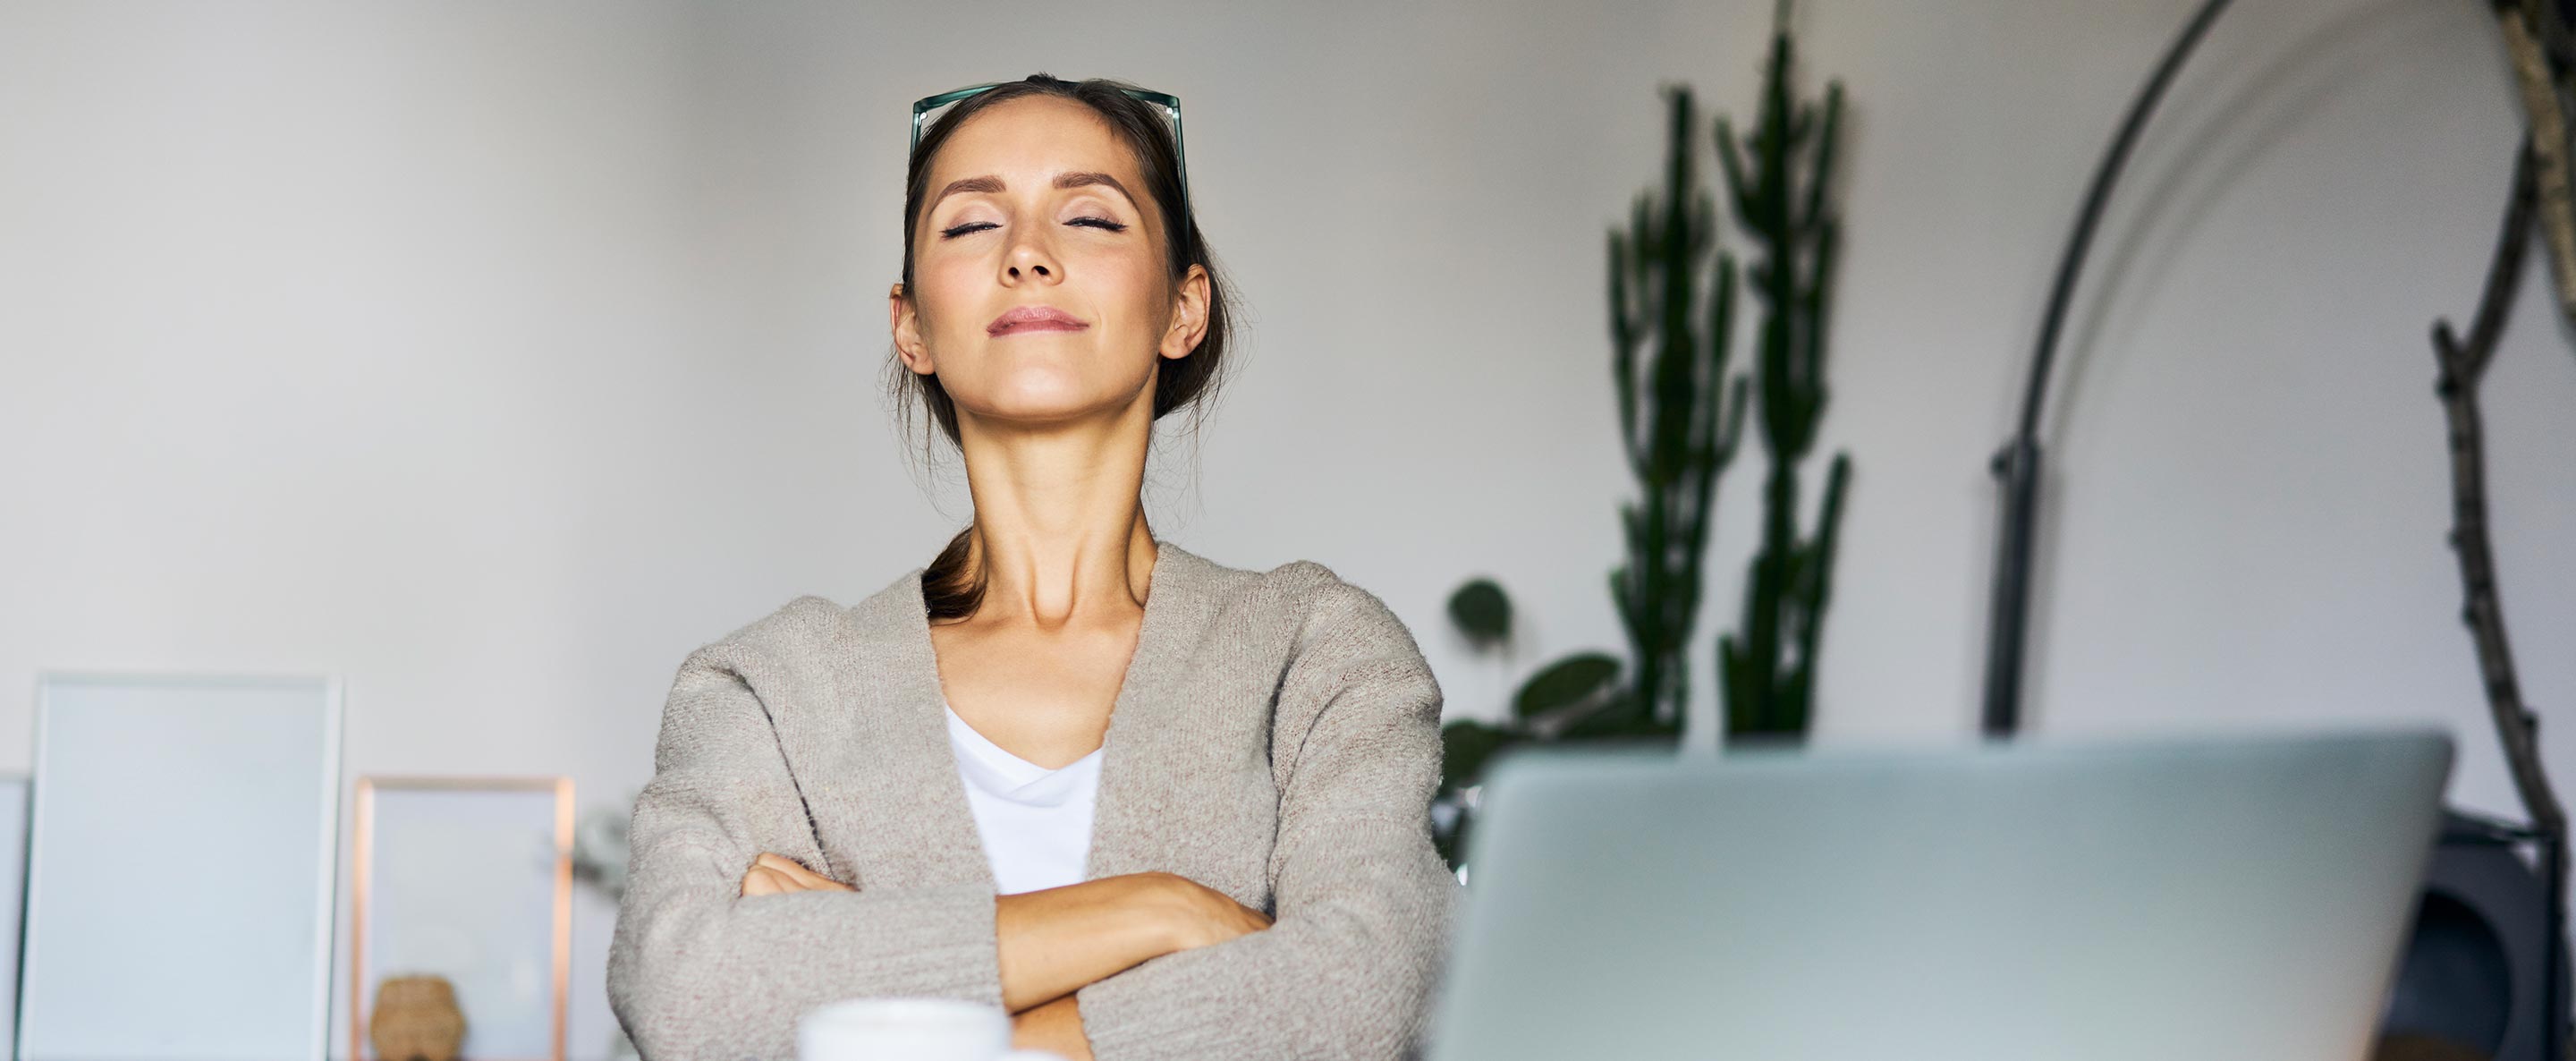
[469, 879]
[182, 865]
[14, 793]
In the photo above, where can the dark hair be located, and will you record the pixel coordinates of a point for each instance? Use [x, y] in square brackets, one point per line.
[951, 590]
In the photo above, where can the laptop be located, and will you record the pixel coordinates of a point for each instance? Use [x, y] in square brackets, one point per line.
[2173, 899]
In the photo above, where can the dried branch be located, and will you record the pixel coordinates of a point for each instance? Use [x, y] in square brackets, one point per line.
[2463, 367]
[2528, 47]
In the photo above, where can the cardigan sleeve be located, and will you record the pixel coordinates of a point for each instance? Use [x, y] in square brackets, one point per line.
[1362, 901]
[695, 970]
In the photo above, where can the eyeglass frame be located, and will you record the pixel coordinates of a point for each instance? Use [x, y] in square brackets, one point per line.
[1171, 105]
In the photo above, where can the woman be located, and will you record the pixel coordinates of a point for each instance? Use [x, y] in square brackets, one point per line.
[1068, 768]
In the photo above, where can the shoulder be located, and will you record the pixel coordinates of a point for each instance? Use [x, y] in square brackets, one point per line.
[803, 629]
[806, 620]
[1348, 648]
[1311, 598]
[1328, 604]
[1333, 621]
[721, 712]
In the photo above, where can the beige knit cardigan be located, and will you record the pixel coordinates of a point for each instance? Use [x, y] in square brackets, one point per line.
[1276, 739]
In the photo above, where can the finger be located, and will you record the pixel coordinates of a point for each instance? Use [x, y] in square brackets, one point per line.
[810, 879]
[794, 870]
[760, 881]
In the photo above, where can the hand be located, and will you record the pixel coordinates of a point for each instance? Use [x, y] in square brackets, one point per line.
[1206, 916]
[779, 875]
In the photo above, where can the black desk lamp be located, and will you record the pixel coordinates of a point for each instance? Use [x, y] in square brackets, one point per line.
[2018, 465]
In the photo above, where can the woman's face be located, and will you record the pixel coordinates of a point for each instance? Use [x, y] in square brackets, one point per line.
[1038, 270]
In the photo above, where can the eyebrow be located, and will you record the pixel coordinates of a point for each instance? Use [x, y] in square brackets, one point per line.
[993, 184]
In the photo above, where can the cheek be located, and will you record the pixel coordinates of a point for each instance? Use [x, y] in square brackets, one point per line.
[1134, 283]
[949, 290]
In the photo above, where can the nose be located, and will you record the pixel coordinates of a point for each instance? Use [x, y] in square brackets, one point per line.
[1030, 258]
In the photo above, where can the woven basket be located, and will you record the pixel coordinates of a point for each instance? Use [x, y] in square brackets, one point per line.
[416, 1019]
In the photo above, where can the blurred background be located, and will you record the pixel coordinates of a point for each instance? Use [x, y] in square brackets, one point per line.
[492, 357]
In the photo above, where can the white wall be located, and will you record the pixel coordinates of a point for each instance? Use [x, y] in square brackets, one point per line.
[495, 356]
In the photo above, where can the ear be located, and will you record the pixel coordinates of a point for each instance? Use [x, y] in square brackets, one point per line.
[1189, 317]
[906, 325]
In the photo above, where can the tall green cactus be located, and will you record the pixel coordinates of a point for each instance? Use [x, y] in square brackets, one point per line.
[1679, 424]
[1768, 667]
[1691, 421]
[1680, 421]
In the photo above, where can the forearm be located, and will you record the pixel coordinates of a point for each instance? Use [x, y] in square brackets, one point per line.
[1056, 941]
[1300, 990]
[1055, 1027]
[696, 971]
[1346, 973]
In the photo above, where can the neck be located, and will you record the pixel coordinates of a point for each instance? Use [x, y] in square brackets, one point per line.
[1060, 534]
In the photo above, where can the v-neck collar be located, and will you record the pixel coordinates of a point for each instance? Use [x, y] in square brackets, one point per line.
[880, 776]
[1006, 762]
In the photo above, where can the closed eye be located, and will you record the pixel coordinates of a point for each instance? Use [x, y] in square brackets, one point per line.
[979, 226]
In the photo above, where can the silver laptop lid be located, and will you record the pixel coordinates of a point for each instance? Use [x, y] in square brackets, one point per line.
[2207, 899]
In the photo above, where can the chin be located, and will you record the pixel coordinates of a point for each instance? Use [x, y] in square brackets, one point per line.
[1048, 401]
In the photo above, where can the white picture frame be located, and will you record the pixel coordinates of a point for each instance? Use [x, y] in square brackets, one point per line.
[182, 864]
[14, 790]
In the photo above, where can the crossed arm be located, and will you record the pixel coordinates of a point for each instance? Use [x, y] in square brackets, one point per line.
[1058, 940]
[702, 965]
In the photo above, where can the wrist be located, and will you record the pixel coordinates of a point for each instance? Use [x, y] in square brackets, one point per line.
[1055, 1027]
[1164, 906]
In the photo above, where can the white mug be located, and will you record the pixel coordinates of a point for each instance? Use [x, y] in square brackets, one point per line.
[903, 1029]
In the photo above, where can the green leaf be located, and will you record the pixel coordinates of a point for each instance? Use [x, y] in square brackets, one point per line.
[1482, 611]
[1452, 844]
[1465, 746]
[1620, 714]
[1566, 682]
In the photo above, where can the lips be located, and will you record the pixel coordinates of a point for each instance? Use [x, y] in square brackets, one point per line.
[1034, 319]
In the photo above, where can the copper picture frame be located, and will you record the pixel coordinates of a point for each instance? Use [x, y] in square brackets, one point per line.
[365, 895]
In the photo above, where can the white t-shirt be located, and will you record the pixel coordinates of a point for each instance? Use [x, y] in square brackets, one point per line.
[1035, 822]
